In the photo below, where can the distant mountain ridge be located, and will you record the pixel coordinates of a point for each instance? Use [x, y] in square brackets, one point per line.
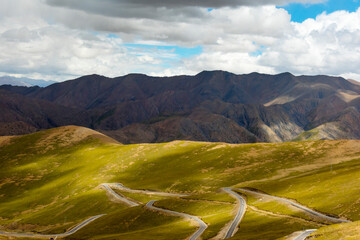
[27, 82]
[210, 106]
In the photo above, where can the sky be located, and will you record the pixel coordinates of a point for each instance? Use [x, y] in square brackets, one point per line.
[64, 39]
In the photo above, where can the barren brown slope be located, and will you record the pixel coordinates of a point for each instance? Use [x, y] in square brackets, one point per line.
[68, 135]
[5, 140]
[21, 114]
[210, 106]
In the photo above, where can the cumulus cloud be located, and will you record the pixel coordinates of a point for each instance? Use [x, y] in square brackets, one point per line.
[60, 54]
[330, 44]
[59, 40]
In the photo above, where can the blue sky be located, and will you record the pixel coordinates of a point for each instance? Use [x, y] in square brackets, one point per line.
[185, 52]
[300, 12]
[170, 56]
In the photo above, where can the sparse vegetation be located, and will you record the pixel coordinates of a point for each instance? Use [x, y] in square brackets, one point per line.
[49, 182]
[257, 225]
[348, 231]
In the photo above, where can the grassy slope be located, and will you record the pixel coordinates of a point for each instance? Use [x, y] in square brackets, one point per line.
[47, 183]
[257, 225]
[214, 214]
[136, 223]
[333, 189]
[47, 178]
[348, 231]
[276, 207]
[310, 135]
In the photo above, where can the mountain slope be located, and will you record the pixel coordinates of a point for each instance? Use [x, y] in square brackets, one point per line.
[50, 182]
[21, 114]
[210, 106]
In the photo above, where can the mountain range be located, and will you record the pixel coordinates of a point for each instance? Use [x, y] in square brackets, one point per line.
[214, 106]
[28, 82]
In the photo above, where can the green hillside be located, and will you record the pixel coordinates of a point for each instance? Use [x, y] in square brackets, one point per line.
[50, 181]
[348, 231]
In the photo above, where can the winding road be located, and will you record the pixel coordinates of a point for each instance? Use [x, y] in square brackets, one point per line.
[304, 234]
[108, 187]
[60, 235]
[202, 225]
[117, 196]
[328, 218]
[240, 214]
[126, 189]
[197, 234]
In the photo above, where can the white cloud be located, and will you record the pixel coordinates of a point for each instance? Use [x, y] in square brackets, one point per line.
[352, 76]
[40, 40]
[330, 44]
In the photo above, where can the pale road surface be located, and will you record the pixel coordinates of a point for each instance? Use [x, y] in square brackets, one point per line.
[304, 234]
[197, 234]
[240, 214]
[60, 235]
[332, 219]
[117, 196]
[126, 189]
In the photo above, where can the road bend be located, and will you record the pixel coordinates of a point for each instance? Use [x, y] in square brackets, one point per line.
[117, 196]
[196, 234]
[304, 234]
[240, 214]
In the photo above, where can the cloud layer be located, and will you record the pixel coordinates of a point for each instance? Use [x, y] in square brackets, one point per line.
[110, 6]
[58, 40]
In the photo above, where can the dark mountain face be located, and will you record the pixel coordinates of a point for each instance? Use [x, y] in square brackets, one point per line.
[211, 106]
[21, 114]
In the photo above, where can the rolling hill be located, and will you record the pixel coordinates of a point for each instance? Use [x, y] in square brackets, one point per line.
[213, 106]
[51, 181]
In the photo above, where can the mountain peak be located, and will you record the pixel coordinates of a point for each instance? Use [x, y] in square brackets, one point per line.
[285, 74]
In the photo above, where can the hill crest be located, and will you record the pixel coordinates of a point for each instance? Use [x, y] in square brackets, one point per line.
[72, 134]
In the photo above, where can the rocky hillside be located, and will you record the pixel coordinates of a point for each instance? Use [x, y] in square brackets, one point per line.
[211, 106]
